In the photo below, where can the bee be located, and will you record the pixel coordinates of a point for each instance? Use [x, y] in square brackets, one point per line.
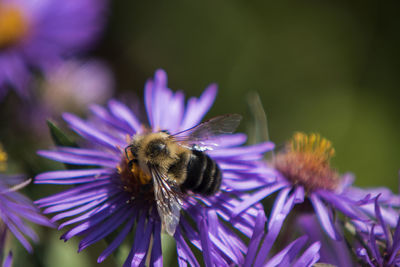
[177, 164]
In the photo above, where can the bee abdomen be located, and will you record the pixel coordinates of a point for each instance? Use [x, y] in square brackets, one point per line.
[203, 174]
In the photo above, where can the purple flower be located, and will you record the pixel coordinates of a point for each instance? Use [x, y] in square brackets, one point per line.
[69, 86]
[381, 248]
[289, 256]
[73, 85]
[116, 195]
[8, 261]
[332, 252]
[15, 210]
[37, 34]
[389, 204]
[304, 179]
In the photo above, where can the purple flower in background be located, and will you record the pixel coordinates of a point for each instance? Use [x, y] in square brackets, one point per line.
[69, 86]
[37, 34]
[304, 178]
[16, 209]
[381, 248]
[389, 204]
[332, 252]
[72, 86]
[116, 195]
[291, 255]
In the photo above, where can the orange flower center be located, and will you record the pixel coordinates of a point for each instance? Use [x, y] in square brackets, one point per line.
[13, 25]
[306, 162]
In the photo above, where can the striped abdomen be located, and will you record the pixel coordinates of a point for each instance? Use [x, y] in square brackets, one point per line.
[203, 176]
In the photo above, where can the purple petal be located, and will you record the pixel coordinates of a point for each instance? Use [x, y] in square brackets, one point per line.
[77, 159]
[60, 197]
[117, 240]
[9, 260]
[341, 203]
[278, 206]
[255, 239]
[94, 203]
[381, 221]
[256, 197]
[142, 240]
[243, 150]
[148, 98]
[72, 174]
[103, 116]
[185, 254]
[92, 133]
[175, 112]
[80, 200]
[374, 248]
[18, 235]
[197, 108]
[324, 217]
[93, 221]
[104, 229]
[396, 242]
[285, 256]
[121, 112]
[310, 256]
[91, 213]
[156, 253]
[363, 254]
[205, 242]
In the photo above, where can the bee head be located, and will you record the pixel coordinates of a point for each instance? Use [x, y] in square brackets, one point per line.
[157, 148]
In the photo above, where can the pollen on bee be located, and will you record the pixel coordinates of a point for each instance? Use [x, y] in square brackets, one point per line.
[134, 180]
[306, 161]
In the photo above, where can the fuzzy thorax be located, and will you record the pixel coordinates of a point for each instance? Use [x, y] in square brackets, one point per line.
[306, 161]
[13, 25]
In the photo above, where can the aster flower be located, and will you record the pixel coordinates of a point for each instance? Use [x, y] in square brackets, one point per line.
[291, 255]
[304, 178]
[116, 196]
[381, 248]
[332, 252]
[38, 33]
[73, 85]
[70, 86]
[389, 203]
[15, 211]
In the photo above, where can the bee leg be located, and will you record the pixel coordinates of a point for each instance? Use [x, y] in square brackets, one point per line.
[126, 151]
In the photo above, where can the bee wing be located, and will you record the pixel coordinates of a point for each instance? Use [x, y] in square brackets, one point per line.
[224, 124]
[168, 198]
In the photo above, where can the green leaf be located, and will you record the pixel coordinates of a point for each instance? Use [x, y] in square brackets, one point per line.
[59, 137]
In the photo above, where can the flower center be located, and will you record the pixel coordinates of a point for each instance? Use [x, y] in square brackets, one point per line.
[134, 180]
[3, 159]
[305, 161]
[13, 25]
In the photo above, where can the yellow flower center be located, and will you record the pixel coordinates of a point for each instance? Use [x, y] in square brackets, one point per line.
[306, 162]
[3, 159]
[13, 25]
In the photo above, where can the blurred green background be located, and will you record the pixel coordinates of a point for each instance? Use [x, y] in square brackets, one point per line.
[319, 66]
[331, 67]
